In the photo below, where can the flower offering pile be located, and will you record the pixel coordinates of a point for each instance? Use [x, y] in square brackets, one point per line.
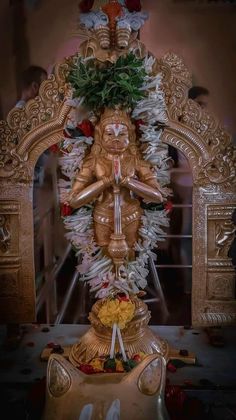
[105, 364]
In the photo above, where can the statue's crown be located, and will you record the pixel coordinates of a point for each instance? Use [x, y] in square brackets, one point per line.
[115, 116]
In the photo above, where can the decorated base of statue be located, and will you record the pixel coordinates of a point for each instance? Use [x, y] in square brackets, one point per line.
[116, 370]
[136, 335]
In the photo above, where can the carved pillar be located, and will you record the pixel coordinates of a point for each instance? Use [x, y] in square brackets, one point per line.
[16, 255]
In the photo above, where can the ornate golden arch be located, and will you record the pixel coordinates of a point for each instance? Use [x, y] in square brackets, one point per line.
[28, 132]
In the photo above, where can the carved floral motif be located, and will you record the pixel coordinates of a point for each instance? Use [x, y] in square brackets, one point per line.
[176, 82]
[220, 165]
[221, 285]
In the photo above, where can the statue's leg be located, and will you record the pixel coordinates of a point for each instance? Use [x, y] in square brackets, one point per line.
[131, 233]
[102, 234]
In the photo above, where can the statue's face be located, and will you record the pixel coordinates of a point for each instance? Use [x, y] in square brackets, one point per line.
[115, 139]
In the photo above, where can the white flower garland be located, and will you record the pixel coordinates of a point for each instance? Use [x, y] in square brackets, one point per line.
[96, 19]
[95, 267]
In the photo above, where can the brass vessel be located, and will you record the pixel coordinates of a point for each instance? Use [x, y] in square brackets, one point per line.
[137, 337]
[118, 248]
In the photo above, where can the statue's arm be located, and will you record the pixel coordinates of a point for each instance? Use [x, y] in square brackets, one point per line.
[143, 190]
[146, 176]
[80, 198]
[86, 188]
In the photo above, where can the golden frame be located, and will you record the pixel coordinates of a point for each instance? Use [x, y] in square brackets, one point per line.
[28, 132]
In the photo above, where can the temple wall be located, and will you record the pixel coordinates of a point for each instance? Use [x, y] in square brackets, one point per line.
[205, 38]
[203, 35]
[7, 80]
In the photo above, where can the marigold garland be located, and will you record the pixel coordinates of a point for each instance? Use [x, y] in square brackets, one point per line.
[115, 311]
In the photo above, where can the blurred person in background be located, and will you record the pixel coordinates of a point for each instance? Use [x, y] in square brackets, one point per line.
[200, 95]
[31, 80]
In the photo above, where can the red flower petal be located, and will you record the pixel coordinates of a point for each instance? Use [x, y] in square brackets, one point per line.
[66, 134]
[137, 358]
[88, 369]
[50, 345]
[169, 206]
[122, 297]
[66, 210]
[174, 398]
[109, 370]
[171, 367]
[87, 128]
[54, 148]
[188, 382]
[139, 122]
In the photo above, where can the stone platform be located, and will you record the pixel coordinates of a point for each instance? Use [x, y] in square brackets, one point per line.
[212, 380]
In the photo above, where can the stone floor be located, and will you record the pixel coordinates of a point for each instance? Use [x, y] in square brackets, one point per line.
[212, 380]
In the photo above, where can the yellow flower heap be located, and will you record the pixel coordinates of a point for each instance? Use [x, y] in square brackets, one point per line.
[116, 311]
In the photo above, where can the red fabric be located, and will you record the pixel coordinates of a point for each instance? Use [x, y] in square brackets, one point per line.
[86, 5]
[133, 5]
[86, 127]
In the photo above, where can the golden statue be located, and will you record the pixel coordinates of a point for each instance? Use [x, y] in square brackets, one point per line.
[115, 176]
[114, 171]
